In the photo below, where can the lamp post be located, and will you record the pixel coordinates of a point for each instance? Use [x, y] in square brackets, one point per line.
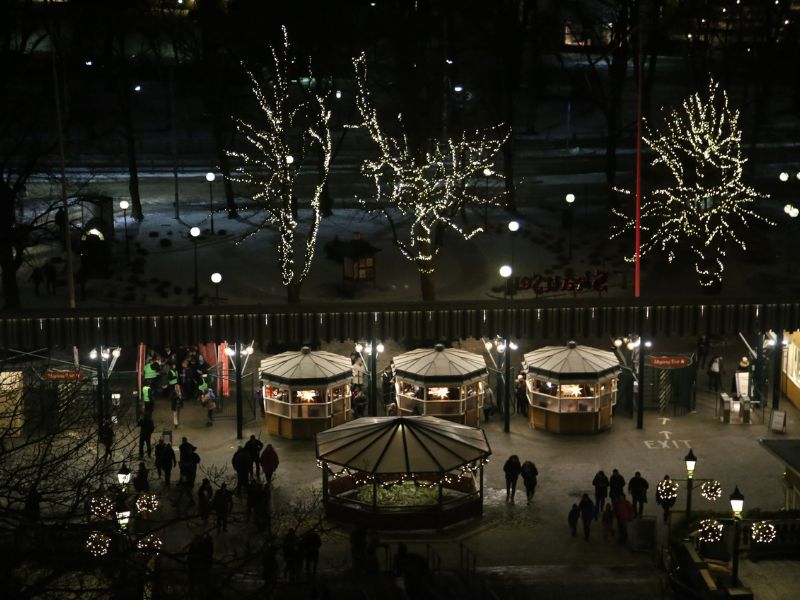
[124, 476]
[487, 173]
[216, 279]
[631, 343]
[513, 228]
[236, 354]
[194, 232]
[102, 356]
[124, 206]
[691, 461]
[372, 367]
[570, 200]
[210, 179]
[737, 506]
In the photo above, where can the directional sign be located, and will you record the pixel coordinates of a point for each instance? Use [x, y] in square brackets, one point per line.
[54, 375]
[669, 362]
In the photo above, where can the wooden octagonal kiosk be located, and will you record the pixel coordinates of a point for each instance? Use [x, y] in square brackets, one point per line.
[402, 472]
[441, 382]
[572, 388]
[305, 392]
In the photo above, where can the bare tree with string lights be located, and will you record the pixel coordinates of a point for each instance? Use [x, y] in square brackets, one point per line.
[422, 193]
[293, 129]
[707, 205]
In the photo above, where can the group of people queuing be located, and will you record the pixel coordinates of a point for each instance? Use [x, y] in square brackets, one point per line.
[611, 506]
[181, 375]
[513, 469]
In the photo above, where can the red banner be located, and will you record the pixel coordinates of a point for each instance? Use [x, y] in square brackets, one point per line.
[52, 375]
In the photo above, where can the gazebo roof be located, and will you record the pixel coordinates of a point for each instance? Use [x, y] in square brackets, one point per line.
[306, 367]
[410, 445]
[439, 365]
[571, 362]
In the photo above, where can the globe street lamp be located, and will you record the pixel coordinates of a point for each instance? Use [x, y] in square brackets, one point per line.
[569, 217]
[737, 506]
[124, 475]
[194, 232]
[210, 179]
[124, 205]
[691, 461]
[236, 354]
[372, 407]
[216, 279]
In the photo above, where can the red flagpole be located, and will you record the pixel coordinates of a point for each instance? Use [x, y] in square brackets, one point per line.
[637, 251]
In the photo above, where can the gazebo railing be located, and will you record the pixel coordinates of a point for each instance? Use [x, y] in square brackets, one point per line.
[306, 410]
[571, 404]
[437, 407]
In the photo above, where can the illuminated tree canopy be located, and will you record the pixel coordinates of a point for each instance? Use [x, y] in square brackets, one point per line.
[707, 204]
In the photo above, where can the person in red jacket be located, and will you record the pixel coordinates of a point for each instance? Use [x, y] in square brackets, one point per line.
[269, 462]
[625, 514]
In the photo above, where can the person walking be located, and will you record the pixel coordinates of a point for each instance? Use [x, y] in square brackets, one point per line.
[209, 402]
[188, 466]
[624, 513]
[310, 544]
[223, 506]
[521, 395]
[146, 428]
[529, 477]
[512, 468]
[141, 481]
[269, 462]
[176, 399]
[637, 488]
[185, 449]
[241, 464]
[616, 486]
[253, 447]
[106, 437]
[715, 374]
[166, 461]
[600, 483]
[291, 549]
[147, 399]
[572, 519]
[586, 506]
[488, 403]
[205, 496]
[665, 496]
[608, 522]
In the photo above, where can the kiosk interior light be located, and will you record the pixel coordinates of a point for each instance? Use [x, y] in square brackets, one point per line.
[438, 392]
[571, 389]
[307, 395]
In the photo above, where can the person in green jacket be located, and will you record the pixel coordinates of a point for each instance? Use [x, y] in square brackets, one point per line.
[147, 398]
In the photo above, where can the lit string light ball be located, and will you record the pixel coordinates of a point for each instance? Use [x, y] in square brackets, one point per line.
[763, 532]
[147, 503]
[149, 544]
[666, 490]
[710, 530]
[98, 544]
[101, 507]
[711, 490]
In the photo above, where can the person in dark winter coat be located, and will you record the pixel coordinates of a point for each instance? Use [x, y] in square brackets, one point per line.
[205, 495]
[586, 506]
[166, 461]
[269, 462]
[146, 428]
[572, 519]
[637, 488]
[185, 449]
[291, 554]
[512, 469]
[242, 465]
[616, 486]
[141, 481]
[310, 544]
[106, 437]
[600, 483]
[624, 513]
[253, 447]
[529, 477]
[223, 506]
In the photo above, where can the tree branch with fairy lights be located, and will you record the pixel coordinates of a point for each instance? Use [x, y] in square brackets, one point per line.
[421, 193]
[292, 128]
[707, 204]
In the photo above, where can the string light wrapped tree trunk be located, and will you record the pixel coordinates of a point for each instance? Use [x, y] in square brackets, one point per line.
[707, 204]
[292, 128]
[422, 193]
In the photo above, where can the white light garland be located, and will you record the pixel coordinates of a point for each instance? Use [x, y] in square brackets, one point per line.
[149, 544]
[666, 490]
[98, 544]
[707, 204]
[711, 490]
[101, 507]
[361, 478]
[421, 192]
[710, 530]
[147, 503]
[763, 532]
[272, 163]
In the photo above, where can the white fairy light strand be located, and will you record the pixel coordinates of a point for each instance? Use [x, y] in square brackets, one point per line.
[763, 532]
[361, 478]
[266, 165]
[710, 530]
[707, 204]
[98, 544]
[426, 190]
[101, 507]
[667, 489]
[711, 490]
[147, 503]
